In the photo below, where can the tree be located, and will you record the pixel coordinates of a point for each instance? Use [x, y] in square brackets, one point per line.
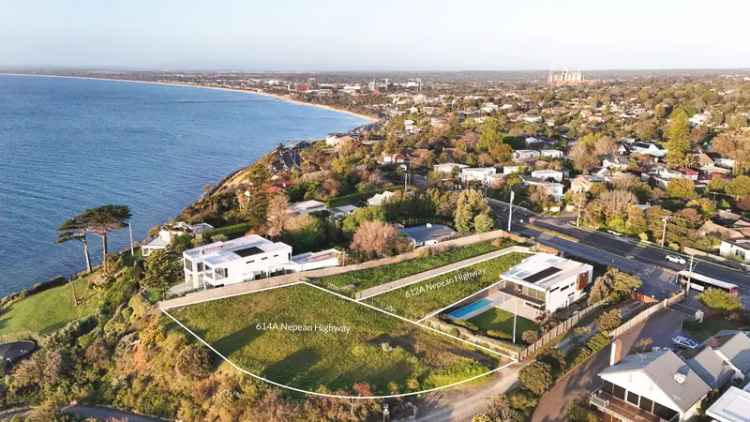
[720, 300]
[359, 216]
[678, 139]
[305, 232]
[483, 223]
[529, 336]
[277, 215]
[194, 361]
[599, 291]
[376, 238]
[101, 221]
[470, 204]
[681, 188]
[163, 268]
[490, 134]
[609, 320]
[536, 377]
[735, 145]
[583, 153]
[73, 229]
[739, 186]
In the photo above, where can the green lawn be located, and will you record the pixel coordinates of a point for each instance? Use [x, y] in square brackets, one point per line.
[349, 283]
[419, 299]
[49, 310]
[502, 321]
[385, 352]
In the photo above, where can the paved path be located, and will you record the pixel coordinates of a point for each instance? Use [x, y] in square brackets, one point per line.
[416, 278]
[583, 380]
[461, 404]
[231, 291]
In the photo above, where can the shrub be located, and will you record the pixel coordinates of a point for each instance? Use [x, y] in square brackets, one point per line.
[609, 320]
[537, 377]
[529, 337]
[719, 300]
[500, 335]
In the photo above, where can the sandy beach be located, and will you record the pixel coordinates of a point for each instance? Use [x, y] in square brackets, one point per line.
[179, 84]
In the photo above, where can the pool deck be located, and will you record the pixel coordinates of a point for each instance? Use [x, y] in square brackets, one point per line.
[480, 309]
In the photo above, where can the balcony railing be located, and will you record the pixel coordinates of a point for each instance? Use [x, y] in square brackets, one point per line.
[620, 409]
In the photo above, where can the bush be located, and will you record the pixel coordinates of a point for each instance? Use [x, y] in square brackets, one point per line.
[529, 337]
[609, 320]
[595, 344]
[537, 377]
[719, 300]
[500, 335]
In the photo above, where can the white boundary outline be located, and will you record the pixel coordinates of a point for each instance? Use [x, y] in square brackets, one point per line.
[336, 396]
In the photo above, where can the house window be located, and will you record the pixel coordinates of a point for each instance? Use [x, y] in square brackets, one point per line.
[608, 387]
[200, 266]
[188, 265]
[646, 404]
[618, 392]
[633, 398]
[264, 258]
[583, 280]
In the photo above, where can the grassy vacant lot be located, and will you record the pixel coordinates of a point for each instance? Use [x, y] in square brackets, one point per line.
[44, 312]
[501, 321]
[419, 299]
[382, 351]
[348, 283]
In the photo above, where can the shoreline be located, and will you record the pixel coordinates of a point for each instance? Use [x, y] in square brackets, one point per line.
[75, 274]
[278, 97]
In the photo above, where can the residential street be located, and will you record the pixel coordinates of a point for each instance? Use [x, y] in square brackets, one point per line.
[583, 380]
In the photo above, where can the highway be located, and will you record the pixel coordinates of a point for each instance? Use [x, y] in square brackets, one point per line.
[643, 259]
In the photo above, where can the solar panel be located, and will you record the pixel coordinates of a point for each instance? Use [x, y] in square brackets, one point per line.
[541, 275]
[252, 250]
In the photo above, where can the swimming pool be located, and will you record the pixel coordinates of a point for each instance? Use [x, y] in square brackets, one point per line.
[471, 309]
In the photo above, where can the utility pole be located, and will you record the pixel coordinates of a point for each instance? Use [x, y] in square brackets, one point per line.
[515, 320]
[130, 232]
[690, 276]
[406, 174]
[664, 232]
[510, 209]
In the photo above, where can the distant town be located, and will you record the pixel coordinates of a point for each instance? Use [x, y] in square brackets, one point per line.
[490, 246]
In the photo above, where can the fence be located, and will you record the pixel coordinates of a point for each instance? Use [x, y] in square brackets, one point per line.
[556, 332]
[646, 314]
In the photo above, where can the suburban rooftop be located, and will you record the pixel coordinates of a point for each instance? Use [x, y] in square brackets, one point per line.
[220, 252]
[544, 270]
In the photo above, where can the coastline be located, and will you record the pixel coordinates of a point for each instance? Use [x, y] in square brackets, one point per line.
[50, 282]
[278, 97]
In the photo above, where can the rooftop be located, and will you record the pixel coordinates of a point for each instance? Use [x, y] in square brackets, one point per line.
[732, 406]
[220, 252]
[427, 232]
[544, 270]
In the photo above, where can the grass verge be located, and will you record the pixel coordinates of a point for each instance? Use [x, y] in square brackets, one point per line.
[497, 321]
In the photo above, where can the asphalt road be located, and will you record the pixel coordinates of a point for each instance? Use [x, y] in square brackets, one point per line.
[653, 258]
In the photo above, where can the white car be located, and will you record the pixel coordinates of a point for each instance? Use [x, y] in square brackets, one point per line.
[676, 259]
[685, 342]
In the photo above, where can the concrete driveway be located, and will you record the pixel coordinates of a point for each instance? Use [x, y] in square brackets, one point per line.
[583, 380]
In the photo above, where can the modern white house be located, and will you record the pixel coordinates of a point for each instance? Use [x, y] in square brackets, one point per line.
[551, 154]
[543, 283]
[736, 249]
[235, 261]
[553, 189]
[477, 174]
[644, 148]
[168, 232]
[380, 198]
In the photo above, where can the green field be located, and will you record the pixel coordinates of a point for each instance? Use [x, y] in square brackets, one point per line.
[349, 283]
[388, 354]
[44, 312]
[419, 299]
[501, 321]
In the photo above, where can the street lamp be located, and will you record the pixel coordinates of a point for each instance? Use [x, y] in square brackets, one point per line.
[664, 232]
[510, 209]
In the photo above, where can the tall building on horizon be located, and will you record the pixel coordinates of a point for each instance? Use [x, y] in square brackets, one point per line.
[565, 77]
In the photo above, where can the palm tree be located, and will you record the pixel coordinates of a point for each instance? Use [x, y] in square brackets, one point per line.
[102, 220]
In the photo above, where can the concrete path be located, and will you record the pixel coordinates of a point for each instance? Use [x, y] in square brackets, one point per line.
[232, 290]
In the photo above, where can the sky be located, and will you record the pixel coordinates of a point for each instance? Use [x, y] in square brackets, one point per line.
[322, 35]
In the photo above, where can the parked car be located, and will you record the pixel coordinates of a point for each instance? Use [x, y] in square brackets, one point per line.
[676, 259]
[685, 342]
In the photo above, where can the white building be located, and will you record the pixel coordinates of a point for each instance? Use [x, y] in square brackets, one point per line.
[512, 170]
[315, 260]
[548, 174]
[235, 261]
[732, 406]
[380, 198]
[737, 249]
[306, 207]
[553, 189]
[543, 283]
[644, 148]
[428, 234]
[551, 154]
[526, 155]
[168, 233]
[478, 174]
[448, 168]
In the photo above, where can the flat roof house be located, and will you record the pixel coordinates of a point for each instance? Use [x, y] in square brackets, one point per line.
[306, 207]
[448, 168]
[235, 261]
[732, 406]
[542, 284]
[168, 232]
[478, 174]
[735, 248]
[428, 234]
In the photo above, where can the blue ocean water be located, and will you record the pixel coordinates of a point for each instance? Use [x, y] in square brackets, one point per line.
[70, 144]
